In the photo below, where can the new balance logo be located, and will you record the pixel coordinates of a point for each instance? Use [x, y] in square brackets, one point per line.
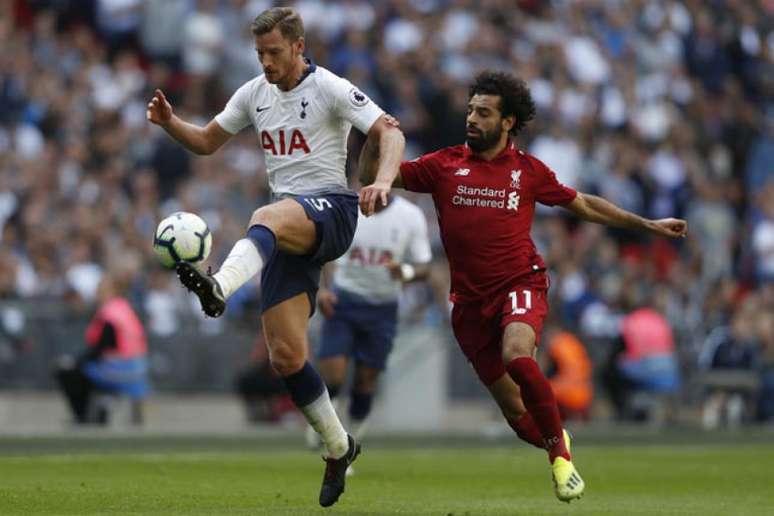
[462, 172]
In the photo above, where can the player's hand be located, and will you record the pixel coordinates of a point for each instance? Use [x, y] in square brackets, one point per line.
[391, 120]
[374, 197]
[326, 301]
[393, 268]
[159, 109]
[675, 228]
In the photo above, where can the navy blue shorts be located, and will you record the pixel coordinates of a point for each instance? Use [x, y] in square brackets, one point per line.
[360, 330]
[287, 275]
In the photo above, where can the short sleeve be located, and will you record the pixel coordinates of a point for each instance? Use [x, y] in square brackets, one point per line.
[236, 115]
[549, 190]
[419, 248]
[353, 105]
[419, 175]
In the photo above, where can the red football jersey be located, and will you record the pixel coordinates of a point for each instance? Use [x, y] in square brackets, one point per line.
[485, 211]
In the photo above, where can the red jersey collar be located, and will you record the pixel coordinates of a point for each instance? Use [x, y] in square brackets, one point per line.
[509, 150]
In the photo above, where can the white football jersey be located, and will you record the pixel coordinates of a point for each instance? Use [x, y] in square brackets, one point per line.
[397, 233]
[303, 132]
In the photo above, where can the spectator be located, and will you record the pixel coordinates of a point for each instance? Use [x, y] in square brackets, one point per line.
[765, 409]
[568, 368]
[204, 40]
[115, 359]
[644, 364]
[763, 235]
[735, 349]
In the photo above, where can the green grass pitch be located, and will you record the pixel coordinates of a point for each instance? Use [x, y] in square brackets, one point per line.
[647, 480]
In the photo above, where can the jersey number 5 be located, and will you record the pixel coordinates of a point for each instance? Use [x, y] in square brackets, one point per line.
[516, 306]
[318, 203]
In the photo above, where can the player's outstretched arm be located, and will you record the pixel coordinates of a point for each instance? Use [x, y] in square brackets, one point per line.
[379, 163]
[199, 140]
[596, 209]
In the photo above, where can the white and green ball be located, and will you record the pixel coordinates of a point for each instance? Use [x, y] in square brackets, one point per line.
[182, 237]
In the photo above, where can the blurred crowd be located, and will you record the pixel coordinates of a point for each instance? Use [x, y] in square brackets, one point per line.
[661, 106]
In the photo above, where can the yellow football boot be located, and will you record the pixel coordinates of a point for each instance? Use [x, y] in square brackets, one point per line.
[568, 484]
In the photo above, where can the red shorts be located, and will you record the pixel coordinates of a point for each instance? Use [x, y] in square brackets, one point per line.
[479, 326]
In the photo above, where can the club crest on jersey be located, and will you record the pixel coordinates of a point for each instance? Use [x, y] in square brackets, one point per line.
[462, 172]
[304, 103]
[515, 179]
[357, 98]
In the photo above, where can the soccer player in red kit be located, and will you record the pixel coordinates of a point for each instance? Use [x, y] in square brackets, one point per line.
[485, 193]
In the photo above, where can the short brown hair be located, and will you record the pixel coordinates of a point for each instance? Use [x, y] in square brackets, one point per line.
[289, 21]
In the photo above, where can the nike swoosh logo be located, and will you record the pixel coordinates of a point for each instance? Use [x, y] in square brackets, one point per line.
[259, 109]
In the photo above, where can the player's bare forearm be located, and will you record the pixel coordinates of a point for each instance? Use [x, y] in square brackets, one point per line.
[596, 209]
[392, 143]
[381, 156]
[389, 149]
[187, 134]
[199, 140]
[368, 161]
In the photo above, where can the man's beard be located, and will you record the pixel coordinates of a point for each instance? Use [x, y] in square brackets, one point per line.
[485, 140]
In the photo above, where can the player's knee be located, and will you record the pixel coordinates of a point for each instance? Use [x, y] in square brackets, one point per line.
[516, 349]
[518, 341]
[265, 216]
[285, 358]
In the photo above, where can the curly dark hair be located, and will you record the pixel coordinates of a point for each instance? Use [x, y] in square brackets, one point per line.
[515, 98]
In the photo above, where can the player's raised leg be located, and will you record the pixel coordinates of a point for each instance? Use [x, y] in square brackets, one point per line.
[285, 325]
[280, 226]
[538, 398]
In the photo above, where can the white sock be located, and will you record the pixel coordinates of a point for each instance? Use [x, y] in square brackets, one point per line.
[358, 428]
[242, 263]
[321, 415]
[336, 402]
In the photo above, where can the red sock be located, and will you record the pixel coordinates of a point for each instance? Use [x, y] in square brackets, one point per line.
[540, 402]
[526, 428]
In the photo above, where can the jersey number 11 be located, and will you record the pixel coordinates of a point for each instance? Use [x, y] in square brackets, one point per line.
[515, 305]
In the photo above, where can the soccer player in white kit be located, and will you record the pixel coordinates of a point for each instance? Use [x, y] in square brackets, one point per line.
[302, 115]
[360, 307]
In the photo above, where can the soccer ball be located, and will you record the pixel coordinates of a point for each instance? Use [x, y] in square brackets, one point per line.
[182, 237]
